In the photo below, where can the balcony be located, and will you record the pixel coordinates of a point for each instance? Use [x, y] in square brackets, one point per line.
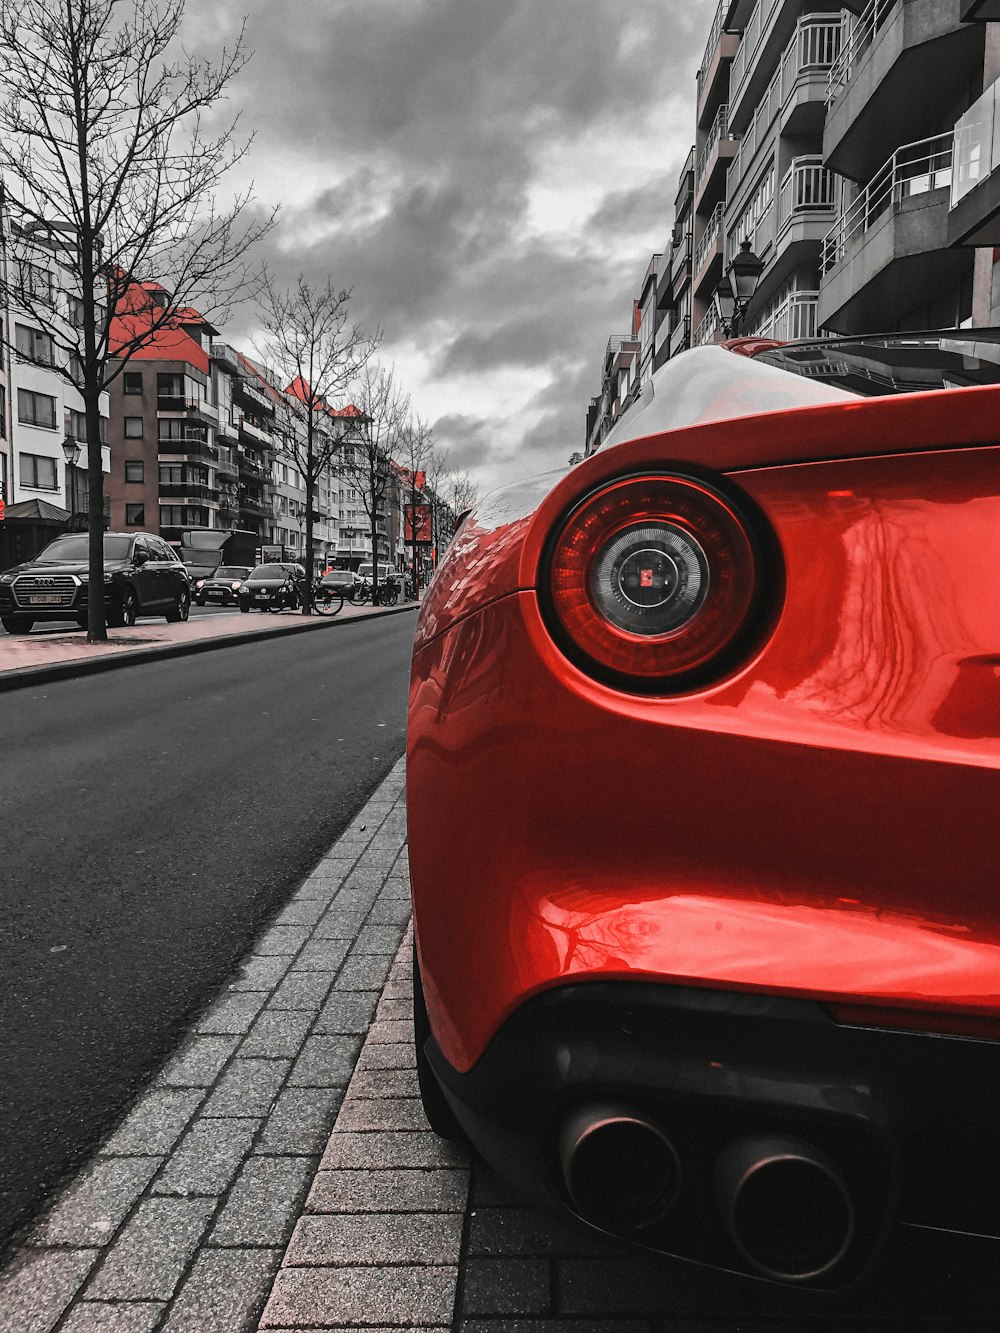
[227, 467]
[720, 49]
[709, 330]
[188, 490]
[768, 29]
[808, 193]
[708, 255]
[889, 251]
[680, 336]
[253, 394]
[249, 467]
[974, 206]
[192, 448]
[714, 159]
[887, 79]
[685, 187]
[791, 319]
[253, 432]
[796, 93]
[226, 357]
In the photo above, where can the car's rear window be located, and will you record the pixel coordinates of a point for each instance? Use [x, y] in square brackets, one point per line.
[900, 364]
[69, 549]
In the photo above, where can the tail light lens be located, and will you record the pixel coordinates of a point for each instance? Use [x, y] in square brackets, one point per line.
[653, 581]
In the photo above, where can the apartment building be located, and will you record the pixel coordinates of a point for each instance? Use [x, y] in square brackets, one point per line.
[856, 147]
[41, 413]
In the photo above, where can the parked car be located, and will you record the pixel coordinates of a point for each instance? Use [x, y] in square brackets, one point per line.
[221, 588]
[142, 577]
[271, 588]
[722, 702]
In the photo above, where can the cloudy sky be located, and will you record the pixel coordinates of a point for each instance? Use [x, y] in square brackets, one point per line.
[489, 176]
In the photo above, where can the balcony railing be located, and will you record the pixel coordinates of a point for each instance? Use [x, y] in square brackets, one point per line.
[188, 490]
[719, 130]
[746, 56]
[914, 169]
[859, 37]
[168, 402]
[714, 34]
[814, 47]
[713, 229]
[255, 394]
[807, 190]
[681, 255]
[680, 335]
[792, 318]
[708, 328]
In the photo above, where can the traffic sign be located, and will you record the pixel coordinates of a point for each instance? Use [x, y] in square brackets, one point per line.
[3, 508]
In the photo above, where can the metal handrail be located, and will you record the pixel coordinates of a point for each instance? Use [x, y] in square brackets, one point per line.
[719, 130]
[708, 327]
[807, 188]
[914, 168]
[860, 36]
[791, 319]
[714, 36]
[713, 229]
[745, 57]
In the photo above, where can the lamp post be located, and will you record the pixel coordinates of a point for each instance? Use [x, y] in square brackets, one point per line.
[71, 452]
[734, 294]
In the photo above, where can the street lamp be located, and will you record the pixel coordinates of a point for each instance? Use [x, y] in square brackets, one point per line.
[71, 452]
[735, 292]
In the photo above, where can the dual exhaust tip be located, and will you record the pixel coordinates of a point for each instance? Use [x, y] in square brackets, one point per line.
[783, 1202]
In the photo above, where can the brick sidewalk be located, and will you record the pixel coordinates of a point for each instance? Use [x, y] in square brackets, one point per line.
[180, 1221]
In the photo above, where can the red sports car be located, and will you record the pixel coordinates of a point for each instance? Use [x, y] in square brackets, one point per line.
[704, 740]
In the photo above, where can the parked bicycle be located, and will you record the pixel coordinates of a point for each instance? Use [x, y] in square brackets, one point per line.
[386, 594]
[326, 599]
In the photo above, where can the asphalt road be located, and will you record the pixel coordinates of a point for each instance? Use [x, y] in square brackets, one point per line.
[153, 817]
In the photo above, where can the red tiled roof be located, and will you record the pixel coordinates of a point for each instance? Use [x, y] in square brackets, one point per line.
[170, 342]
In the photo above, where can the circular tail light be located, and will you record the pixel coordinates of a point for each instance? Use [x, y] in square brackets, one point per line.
[653, 582]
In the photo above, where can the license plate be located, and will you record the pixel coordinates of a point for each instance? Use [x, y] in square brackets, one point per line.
[263, 596]
[47, 599]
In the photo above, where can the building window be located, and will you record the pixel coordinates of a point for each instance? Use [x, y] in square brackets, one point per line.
[133, 428]
[36, 409]
[172, 431]
[132, 381]
[135, 515]
[34, 282]
[39, 473]
[181, 516]
[75, 425]
[34, 345]
[135, 469]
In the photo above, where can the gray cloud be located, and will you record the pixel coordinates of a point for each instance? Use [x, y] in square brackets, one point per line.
[420, 123]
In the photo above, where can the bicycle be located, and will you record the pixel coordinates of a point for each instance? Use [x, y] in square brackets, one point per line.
[327, 601]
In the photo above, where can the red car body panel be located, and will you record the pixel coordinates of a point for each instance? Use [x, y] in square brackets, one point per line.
[813, 827]
[791, 829]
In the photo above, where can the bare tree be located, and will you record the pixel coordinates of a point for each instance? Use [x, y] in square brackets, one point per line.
[313, 348]
[111, 177]
[367, 458]
[464, 493]
[415, 449]
[436, 470]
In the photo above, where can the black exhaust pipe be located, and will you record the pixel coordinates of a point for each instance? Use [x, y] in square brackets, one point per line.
[786, 1207]
[621, 1172]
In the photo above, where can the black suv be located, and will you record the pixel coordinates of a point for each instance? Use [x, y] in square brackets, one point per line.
[142, 577]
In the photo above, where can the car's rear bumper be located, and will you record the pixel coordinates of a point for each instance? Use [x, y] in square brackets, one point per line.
[901, 1116]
